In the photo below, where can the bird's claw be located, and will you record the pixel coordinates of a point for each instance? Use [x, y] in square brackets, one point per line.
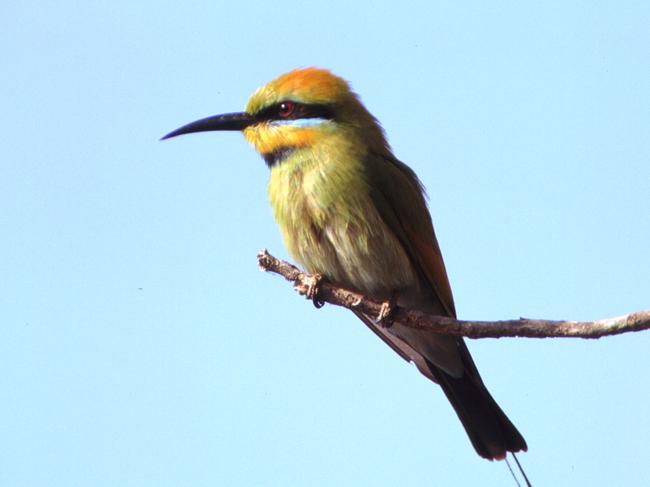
[384, 318]
[313, 290]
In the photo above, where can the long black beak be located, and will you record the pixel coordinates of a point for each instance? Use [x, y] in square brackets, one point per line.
[227, 121]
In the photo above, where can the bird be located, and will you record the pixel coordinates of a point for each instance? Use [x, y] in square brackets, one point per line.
[353, 213]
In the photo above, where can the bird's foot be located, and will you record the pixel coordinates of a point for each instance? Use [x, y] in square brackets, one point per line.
[313, 290]
[384, 319]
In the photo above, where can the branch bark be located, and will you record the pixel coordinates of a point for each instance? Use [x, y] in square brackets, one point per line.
[523, 327]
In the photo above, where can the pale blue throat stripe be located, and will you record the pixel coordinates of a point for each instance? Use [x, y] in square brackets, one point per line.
[300, 122]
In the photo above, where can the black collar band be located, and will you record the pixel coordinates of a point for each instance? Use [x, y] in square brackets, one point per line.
[277, 156]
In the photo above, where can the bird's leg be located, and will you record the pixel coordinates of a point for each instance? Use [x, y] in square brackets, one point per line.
[384, 319]
[313, 290]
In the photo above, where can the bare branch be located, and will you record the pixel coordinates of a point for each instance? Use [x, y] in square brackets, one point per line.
[523, 327]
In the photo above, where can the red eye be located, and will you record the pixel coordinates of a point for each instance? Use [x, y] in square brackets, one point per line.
[286, 108]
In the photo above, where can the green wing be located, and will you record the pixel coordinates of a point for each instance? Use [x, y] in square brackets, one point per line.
[399, 196]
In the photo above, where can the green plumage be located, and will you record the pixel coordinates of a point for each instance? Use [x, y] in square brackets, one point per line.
[322, 198]
[350, 211]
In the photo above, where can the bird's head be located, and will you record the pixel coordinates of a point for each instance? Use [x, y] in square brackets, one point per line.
[298, 110]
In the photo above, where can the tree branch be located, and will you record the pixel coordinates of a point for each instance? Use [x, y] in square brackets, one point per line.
[523, 327]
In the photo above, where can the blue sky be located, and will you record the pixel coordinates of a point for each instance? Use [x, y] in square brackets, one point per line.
[139, 343]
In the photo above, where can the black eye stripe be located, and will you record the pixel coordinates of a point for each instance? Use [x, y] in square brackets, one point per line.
[300, 110]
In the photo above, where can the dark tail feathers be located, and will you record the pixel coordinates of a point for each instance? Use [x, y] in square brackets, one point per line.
[488, 428]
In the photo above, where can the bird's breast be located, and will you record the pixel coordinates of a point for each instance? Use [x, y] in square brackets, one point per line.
[331, 226]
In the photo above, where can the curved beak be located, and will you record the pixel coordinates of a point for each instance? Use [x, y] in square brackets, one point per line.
[227, 121]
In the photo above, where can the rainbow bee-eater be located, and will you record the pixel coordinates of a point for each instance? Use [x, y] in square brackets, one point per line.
[350, 211]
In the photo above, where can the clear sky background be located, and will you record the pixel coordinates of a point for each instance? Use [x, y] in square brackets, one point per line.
[141, 346]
